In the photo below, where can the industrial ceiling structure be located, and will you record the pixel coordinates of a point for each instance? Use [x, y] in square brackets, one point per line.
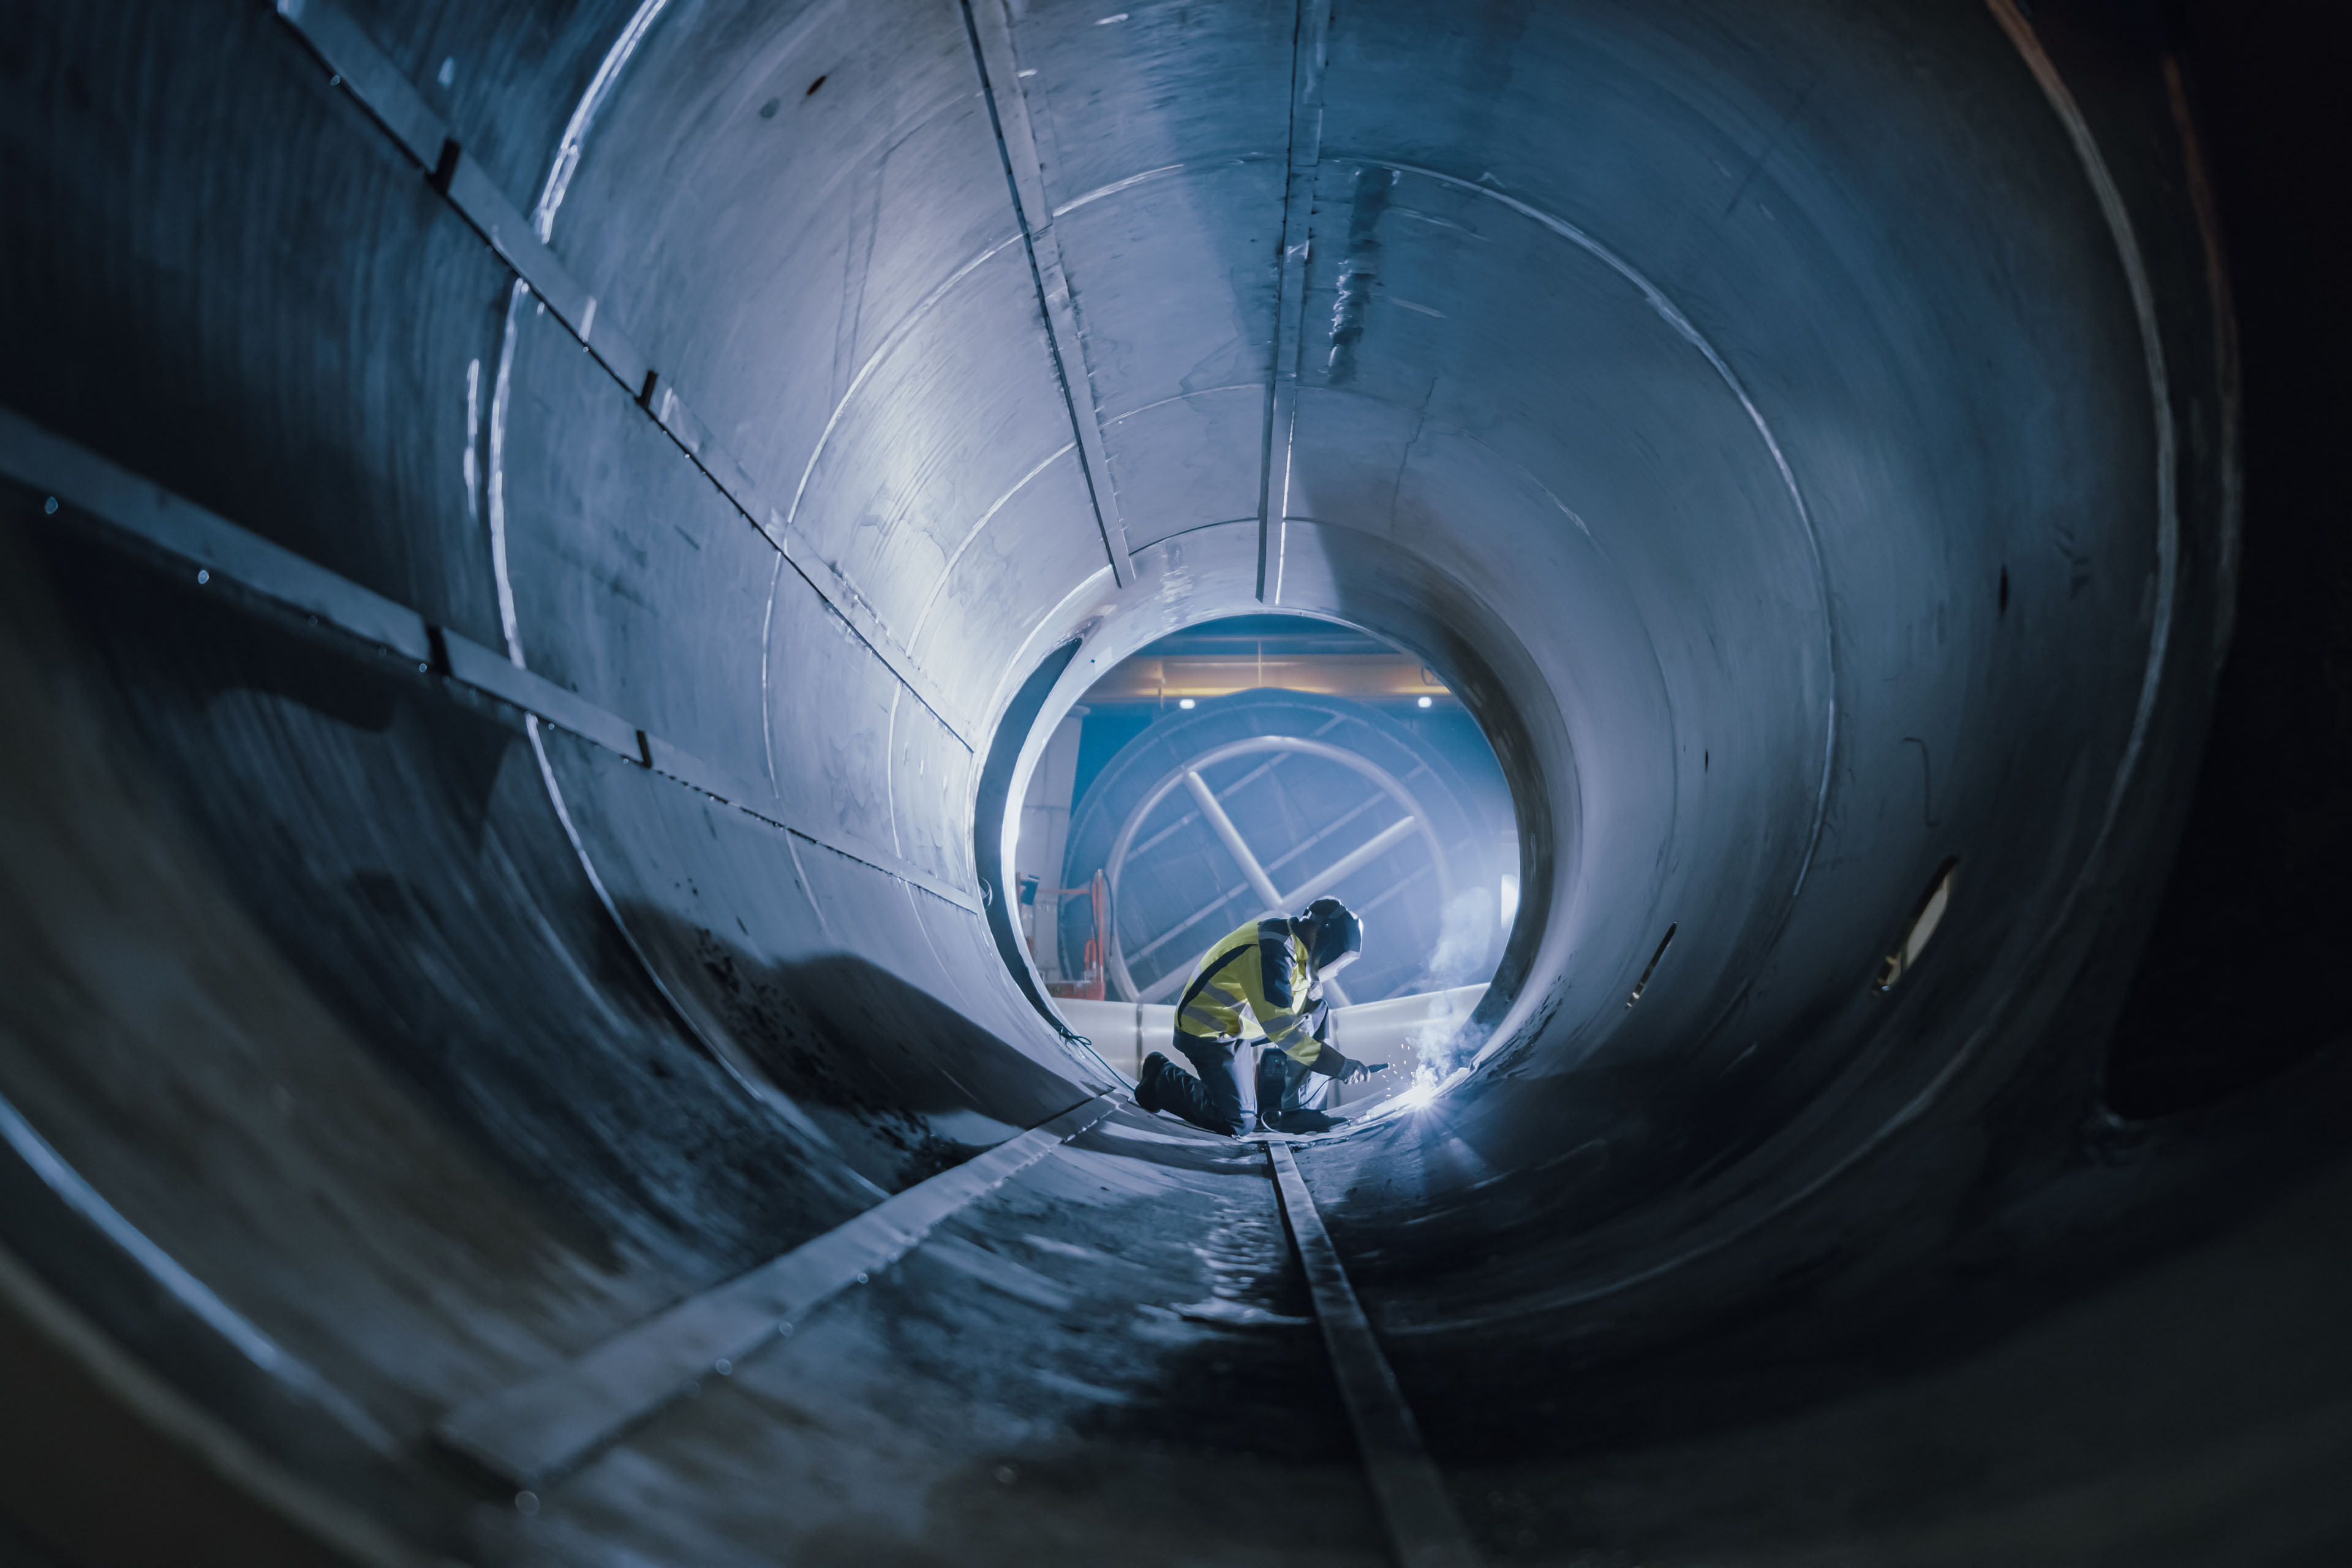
[546, 541]
[1249, 653]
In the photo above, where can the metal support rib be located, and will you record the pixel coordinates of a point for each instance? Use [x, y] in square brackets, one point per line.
[373, 79]
[1276, 900]
[1424, 1530]
[549, 1423]
[1213, 810]
[111, 495]
[1311, 44]
[1016, 138]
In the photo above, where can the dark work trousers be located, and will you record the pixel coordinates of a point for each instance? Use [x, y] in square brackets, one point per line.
[1283, 1085]
[1223, 1098]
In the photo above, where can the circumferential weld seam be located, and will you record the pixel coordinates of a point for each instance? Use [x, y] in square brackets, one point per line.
[230, 554]
[1675, 318]
[2061, 102]
[363, 71]
[2110, 200]
[2143, 297]
[755, 1086]
[248, 1339]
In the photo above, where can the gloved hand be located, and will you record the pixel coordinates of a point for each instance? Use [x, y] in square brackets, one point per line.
[1331, 1064]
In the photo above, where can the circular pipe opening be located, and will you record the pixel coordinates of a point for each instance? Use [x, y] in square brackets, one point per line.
[1061, 682]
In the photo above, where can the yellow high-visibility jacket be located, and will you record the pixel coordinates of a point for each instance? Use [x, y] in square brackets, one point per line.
[1260, 969]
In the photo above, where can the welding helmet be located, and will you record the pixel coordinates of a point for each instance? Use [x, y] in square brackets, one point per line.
[1334, 935]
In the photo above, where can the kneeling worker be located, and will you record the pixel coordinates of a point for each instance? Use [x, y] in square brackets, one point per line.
[1274, 971]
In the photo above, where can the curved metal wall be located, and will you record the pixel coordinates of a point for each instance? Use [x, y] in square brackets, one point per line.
[1803, 436]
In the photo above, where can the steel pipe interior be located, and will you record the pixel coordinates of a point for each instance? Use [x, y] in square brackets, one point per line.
[1805, 436]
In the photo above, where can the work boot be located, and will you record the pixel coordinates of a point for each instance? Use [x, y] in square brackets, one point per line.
[1147, 1082]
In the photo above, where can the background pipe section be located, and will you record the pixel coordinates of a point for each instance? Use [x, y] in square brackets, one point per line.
[1852, 393]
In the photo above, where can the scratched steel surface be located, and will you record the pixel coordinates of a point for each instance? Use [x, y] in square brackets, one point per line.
[1751, 412]
[1111, 1356]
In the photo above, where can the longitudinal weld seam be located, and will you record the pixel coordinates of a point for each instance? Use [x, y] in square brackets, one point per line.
[394, 105]
[42, 460]
[993, 55]
[1423, 1527]
[1310, 44]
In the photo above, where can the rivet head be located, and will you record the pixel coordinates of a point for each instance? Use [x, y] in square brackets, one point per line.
[203, 576]
[526, 1502]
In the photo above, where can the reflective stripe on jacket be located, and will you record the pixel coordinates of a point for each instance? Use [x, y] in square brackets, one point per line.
[1259, 968]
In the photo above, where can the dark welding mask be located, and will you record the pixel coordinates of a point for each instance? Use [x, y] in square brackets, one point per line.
[1335, 935]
